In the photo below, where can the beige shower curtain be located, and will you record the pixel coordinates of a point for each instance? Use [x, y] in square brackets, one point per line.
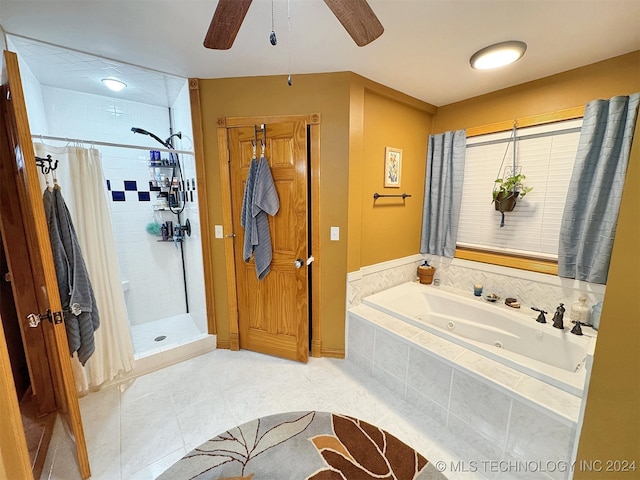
[80, 176]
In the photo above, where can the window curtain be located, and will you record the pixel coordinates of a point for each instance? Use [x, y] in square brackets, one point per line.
[80, 175]
[443, 193]
[595, 190]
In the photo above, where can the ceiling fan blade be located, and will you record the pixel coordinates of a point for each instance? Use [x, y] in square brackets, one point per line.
[358, 20]
[225, 23]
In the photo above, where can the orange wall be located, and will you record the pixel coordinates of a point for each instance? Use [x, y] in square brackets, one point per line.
[611, 429]
[388, 228]
[359, 118]
[391, 227]
[328, 95]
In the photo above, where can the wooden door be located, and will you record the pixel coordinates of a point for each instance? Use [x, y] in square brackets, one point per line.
[273, 315]
[19, 175]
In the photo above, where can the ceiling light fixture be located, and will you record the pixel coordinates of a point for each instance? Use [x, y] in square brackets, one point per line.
[114, 84]
[498, 55]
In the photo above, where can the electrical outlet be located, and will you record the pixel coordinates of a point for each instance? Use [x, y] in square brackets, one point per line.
[218, 231]
[335, 233]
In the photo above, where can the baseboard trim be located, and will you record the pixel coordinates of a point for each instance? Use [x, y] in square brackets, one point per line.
[333, 353]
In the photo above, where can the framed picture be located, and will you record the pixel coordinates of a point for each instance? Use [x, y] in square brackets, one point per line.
[392, 167]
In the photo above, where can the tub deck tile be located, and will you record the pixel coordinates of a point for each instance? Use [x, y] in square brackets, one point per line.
[490, 369]
[557, 401]
[444, 348]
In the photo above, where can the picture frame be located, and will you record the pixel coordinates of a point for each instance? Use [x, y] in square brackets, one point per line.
[392, 167]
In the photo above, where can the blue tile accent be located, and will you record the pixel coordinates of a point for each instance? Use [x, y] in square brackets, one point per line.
[109, 185]
[131, 185]
[144, 197]
[118, 196]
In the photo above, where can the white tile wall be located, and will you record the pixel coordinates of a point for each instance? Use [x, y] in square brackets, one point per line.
[153, 269]
[530, 288]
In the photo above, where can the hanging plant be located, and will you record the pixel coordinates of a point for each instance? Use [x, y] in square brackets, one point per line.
[508, 189]
[506, 192]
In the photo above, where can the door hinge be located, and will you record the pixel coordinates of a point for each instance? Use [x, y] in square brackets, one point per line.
[35, 319]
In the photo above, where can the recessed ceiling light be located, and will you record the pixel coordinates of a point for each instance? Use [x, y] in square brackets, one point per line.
[498, 55]
[114, 84]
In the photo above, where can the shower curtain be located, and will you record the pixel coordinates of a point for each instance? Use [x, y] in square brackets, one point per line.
[443, 193]
[591, 211]
[80, 176]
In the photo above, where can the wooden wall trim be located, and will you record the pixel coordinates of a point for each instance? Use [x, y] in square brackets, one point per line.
[249, 121]
[316, 319]
[227, 225]
[333, 353]
[203, 204]
[534, 120]
[522, 263]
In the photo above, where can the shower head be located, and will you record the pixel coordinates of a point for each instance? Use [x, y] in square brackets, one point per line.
[155, 137]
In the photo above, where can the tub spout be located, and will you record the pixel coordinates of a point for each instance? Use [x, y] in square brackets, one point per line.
[541, 318]
[558, 316]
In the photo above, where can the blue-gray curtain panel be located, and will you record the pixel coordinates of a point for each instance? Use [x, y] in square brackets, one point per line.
[591, 210]
[443, 192]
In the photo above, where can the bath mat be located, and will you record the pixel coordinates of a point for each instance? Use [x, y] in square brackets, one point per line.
[303, 446]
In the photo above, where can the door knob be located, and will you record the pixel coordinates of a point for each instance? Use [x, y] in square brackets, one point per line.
[299, 262]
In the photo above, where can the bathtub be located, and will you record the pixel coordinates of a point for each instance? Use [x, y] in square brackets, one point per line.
[509, 336]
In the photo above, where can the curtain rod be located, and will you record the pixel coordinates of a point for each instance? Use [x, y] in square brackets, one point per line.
[108, 144]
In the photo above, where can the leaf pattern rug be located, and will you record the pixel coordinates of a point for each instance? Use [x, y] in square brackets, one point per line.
[304, 446]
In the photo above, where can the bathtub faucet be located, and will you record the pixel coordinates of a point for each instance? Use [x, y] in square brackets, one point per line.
[558, 316]
[541, 318]
[577, 328]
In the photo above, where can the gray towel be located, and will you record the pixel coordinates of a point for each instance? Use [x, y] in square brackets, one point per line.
[246, 217]
[265, 201]
[81, 317]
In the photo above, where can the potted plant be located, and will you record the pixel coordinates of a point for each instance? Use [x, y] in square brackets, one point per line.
[507, 190]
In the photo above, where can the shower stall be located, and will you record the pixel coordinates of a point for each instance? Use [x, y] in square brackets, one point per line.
[146, 148]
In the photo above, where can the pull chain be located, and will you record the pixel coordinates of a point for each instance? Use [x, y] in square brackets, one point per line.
[272, 36]
[289, 81]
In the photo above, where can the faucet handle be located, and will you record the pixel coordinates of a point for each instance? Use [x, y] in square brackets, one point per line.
[541, 318]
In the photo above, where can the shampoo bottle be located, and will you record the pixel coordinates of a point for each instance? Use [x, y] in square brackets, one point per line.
[579, 310]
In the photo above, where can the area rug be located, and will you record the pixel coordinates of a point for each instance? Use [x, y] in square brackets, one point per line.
[304, 446]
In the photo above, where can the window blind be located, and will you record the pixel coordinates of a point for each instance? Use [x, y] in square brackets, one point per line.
[545, 155]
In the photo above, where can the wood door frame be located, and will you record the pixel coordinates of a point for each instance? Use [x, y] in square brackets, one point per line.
[203, 204]
[313, 122]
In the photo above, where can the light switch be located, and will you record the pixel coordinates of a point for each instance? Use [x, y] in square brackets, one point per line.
[335, 233]
[218, 231]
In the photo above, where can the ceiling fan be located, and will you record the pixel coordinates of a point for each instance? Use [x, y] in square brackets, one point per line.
[356, 17]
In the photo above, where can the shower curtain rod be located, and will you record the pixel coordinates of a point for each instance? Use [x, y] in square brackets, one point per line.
[108, 144]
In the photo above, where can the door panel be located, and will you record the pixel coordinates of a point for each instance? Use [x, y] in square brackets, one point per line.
[18, 164]
[273, 313]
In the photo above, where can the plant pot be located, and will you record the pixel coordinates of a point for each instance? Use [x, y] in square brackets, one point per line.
[425, 274]
[506, 201]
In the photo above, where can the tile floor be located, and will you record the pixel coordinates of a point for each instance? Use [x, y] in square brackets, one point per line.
[178, 330]
[135, 431]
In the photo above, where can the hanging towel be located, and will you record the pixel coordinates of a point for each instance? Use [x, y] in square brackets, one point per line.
[265, 201]
[246, 217]
[79, 308]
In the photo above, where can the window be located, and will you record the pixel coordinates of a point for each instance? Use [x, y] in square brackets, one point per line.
[545, 154]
